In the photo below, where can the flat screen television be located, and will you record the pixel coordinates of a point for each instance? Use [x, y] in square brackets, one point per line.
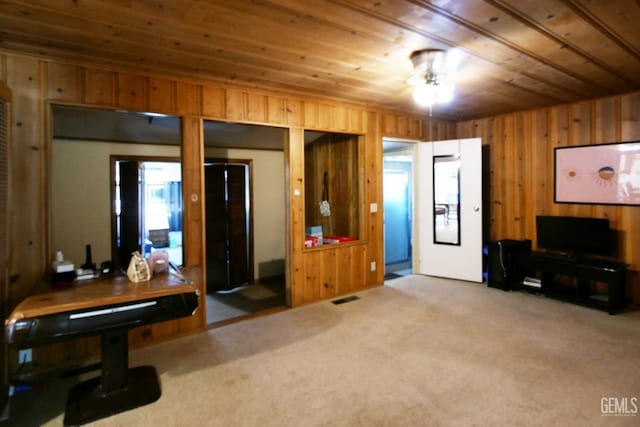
[575, 235]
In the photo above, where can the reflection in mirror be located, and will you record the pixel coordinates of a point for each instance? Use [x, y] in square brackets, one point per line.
[332, 188]
[244, 186]
[147, 196]
[446, 200]
[245, 218]
[84, 209]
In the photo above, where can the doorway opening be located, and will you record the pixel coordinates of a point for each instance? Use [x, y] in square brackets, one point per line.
[397, 187]
[245, 220]
[147, 214]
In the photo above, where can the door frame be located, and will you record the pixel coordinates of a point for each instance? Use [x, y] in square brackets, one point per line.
[5, 252]
[407, 264]
[405, 147]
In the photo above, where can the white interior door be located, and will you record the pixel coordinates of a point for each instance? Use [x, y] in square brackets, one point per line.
[448, 204]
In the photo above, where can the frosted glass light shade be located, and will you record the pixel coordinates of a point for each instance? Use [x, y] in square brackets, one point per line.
[427, 94]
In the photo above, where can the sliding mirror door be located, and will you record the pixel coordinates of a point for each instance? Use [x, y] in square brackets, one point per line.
[115, 185]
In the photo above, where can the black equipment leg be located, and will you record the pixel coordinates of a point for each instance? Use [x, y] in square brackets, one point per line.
[118, 389]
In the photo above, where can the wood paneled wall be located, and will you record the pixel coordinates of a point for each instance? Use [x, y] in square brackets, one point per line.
[521, 167]
[36, 82]
[335, 155]
[521, 151]
[5, 137]
[323, 273]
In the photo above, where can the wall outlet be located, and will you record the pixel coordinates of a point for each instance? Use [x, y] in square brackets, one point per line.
[24, 356]
[373, 266]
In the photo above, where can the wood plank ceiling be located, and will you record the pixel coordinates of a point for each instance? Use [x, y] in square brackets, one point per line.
[517, 55]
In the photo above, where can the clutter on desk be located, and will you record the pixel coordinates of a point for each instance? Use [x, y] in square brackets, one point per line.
[88, 263]
[62, 272]
[60, 265]
[84, 274]
[138, 270]
[159, 261]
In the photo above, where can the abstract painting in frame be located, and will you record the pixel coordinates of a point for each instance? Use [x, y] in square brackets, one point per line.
[607, 174]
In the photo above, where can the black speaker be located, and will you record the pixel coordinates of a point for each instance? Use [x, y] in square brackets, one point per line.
[498, 274]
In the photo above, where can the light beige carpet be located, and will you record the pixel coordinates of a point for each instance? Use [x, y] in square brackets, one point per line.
[417, 352]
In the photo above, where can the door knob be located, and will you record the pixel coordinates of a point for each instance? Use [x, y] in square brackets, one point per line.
[476, 208]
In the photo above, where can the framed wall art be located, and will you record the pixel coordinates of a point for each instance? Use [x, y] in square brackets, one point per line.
[606, 174]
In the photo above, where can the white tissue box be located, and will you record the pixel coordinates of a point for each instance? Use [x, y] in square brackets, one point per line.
[63, 267]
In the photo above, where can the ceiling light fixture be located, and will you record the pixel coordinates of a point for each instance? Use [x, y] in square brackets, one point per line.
[431, 79]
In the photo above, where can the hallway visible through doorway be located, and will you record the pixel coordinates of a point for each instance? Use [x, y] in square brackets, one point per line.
[245, 211]
[397, 189]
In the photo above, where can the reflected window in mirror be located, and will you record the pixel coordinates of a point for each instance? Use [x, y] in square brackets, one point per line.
[82, 176]
[446, 200]
[332, 188]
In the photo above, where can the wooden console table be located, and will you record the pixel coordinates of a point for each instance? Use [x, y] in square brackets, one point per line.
[573, 280]
[109, 307]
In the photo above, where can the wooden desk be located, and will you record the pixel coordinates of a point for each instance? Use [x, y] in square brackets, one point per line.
[109, 307]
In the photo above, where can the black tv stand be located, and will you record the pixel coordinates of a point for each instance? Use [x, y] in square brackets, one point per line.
[593, 282]
[556, 256]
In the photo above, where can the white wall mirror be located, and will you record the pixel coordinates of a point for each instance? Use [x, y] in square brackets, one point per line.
[446, 200]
